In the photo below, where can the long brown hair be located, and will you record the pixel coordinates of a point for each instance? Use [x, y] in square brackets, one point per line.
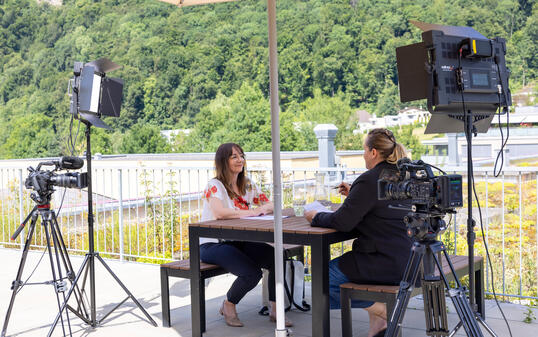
[384, 142]
[223, 154]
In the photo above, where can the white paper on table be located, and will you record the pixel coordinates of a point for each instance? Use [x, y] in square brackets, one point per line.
[263, 217]
[316, 206]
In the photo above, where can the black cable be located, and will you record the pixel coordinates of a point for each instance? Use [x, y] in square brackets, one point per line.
[438, 169]
[33, 271]
[500, 154]
[489, 258]
[471, 181]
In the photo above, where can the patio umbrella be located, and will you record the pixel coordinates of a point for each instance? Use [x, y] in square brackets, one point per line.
[275, 134]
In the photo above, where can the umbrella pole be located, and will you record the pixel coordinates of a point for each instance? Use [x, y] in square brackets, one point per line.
[281, 330]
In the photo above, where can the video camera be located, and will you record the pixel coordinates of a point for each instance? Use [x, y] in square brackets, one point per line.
[42, 181]
[418, 183]
[432, 196]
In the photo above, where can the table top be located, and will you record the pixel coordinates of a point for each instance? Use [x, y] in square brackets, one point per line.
[291, 224]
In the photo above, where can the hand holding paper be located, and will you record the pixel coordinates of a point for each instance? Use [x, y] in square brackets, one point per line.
[316, 206]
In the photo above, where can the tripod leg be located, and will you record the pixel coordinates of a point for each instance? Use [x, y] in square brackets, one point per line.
[81, 310]
[406, 288]
[126, 290]
[62, 284]
[54, 279]
[69, 293]
[486, 326]
[17, 283]
[435, 308]
[458, 297]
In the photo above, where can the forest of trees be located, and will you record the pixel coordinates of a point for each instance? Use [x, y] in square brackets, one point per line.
[205, 68]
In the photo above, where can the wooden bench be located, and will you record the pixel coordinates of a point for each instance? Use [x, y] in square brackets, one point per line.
[387, 294]
[182, 269]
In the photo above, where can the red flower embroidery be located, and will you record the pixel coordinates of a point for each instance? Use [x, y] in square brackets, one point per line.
[256, 201]
[240, 203]
[210, 191]
[263, 198]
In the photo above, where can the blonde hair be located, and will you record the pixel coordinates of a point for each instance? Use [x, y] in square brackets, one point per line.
[384, 142]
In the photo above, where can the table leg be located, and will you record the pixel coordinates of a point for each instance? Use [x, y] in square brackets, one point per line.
[165, 297]
[197, 302]
[320, 287]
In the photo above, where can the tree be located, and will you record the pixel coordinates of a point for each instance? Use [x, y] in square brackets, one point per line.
[404, 135]
[144, 138]
[30, 136]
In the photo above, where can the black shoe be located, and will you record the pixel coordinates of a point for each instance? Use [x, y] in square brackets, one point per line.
[381, 333]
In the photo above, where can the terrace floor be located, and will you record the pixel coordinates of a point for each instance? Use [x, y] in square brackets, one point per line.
[36, 306]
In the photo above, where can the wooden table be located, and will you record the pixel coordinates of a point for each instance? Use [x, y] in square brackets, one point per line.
[296, 230]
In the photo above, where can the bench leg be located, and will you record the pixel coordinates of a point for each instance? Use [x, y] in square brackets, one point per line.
[345, 309]
[202, 303]
[165, 297]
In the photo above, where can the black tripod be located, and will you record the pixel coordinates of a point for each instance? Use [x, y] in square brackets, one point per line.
[425, 252]
[61, 267]
[88, 265]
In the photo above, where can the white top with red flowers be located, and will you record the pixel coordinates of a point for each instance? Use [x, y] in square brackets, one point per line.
[215, 189]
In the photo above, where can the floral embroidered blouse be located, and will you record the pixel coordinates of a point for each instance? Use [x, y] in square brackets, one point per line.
[215, 189]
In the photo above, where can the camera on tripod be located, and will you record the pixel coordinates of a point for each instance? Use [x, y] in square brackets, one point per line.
[432, 197]
[418, 183]
[42, 181]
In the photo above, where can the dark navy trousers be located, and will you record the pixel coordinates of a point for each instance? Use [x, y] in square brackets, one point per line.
[244, 260]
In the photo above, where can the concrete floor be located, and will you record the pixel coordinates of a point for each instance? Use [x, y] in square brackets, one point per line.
[36, 306]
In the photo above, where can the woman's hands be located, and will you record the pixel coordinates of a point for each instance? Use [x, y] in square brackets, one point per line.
[310, 215]
[266, 208]
[344, 188]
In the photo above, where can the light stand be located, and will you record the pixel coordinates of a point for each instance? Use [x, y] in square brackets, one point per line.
[94, 95]
[455, 67]
[88, 265]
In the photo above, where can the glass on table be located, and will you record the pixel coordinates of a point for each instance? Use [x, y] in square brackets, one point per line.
[298, 207]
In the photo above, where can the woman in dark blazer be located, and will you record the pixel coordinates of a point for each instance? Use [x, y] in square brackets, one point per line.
[382, 248]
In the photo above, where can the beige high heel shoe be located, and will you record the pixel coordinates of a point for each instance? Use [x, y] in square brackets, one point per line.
[230, 319]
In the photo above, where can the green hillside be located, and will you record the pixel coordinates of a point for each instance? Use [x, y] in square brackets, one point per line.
[206, 67]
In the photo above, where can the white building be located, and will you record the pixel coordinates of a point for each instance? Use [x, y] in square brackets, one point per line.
[522, 142]
[404, 117]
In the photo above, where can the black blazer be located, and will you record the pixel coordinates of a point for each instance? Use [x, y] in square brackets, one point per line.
[382, 248]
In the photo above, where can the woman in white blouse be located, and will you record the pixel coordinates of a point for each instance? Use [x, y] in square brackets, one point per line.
[232, 195]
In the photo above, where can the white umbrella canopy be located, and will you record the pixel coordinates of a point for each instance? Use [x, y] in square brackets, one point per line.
[281, 330]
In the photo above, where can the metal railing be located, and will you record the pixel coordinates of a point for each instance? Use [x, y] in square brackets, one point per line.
[142, 214]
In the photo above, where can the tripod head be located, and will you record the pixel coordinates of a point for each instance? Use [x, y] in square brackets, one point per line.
[423, 225]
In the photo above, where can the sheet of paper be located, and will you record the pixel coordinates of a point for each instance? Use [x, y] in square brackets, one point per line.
[263, 217]
[316, 206]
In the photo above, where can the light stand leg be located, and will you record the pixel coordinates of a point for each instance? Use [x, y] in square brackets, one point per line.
[130, 295]
[470, 222]
[17, 283]
[471, 236]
